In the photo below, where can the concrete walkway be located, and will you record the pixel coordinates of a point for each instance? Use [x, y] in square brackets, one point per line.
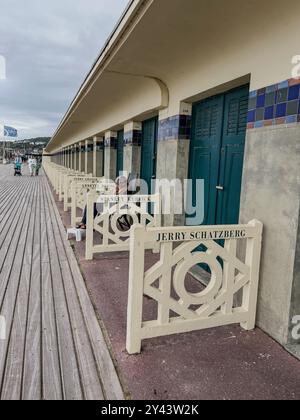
[54, 347]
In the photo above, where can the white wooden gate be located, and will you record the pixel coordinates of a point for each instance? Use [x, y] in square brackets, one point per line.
[113, 239]
[79, 193]
[180, 251]
[67, 186]
[62, 183]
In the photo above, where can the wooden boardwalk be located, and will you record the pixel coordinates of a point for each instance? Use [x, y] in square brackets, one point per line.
[54, 347]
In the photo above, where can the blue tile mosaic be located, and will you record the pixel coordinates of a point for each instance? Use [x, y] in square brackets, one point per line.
[177, 127]
[111, 142]
[133, 138]
[276, 104]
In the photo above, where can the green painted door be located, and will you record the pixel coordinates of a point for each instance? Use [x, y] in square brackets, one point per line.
[120, 152]
[217, 153]
[149, 150]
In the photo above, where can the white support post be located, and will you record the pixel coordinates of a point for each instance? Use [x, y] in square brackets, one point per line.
[165, 284]
[229, 276]
[136, 290]
[90, 226]
[253, 258]
[73, 205]
[88, 157]
[95, 157]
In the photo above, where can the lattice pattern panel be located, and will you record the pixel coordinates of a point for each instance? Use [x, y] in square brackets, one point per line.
[179, 309]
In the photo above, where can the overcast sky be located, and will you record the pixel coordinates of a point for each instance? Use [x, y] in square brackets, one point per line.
[49, 46]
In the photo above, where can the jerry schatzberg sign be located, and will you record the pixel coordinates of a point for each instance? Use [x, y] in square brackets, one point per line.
[201, 235]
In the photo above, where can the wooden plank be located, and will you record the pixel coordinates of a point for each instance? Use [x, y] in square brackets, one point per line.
[12, 377]
[88, 370]
[9, 224]
[110, 382]
[50, 361]
[17, 286]
[31, 381]
[72, 387]
[55, 348]
[13, 310]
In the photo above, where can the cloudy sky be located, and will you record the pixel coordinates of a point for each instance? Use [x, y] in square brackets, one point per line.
[49, 47]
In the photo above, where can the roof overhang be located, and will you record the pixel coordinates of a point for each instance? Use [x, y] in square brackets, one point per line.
[131, 16]
[163, 52]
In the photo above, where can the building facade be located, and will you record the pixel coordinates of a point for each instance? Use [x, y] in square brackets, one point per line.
[200, 89]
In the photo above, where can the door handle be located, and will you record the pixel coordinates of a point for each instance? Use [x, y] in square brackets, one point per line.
[220, 188]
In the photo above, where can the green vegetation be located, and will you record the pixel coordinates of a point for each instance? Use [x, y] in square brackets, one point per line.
[26, 146]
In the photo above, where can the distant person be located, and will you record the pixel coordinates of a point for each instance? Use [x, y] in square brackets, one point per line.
[31, 166]
[18, 166]
[38, 167]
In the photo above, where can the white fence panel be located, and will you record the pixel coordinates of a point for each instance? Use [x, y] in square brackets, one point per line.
[212, 307]
[68, 179]
[112, 208]
[65, 179]
[79, 193]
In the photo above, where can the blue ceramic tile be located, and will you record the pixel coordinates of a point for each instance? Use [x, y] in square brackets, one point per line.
[253, 94]
[183, 120]
[270, 99]
[252, 103]
[291, 119]
[260, 113]
[294, 92]
[271, 88]
[292, 108]
[282, 95]
[281, 110]
[269, 113]
[261, 91]
[251, 116]
[260, 103]
[259, 124]
[283, 85]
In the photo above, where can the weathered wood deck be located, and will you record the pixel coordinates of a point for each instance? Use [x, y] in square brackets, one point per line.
[54, 347]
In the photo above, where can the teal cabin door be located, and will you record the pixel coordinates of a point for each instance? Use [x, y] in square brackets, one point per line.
[217, 154]
[120, 152]
[149, 150]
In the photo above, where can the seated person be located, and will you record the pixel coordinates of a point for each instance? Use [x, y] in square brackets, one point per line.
[121, 189]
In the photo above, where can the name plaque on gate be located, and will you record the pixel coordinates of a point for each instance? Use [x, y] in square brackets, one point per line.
[83, 179]
[91, 185]
[202, 235]
[125, 199]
